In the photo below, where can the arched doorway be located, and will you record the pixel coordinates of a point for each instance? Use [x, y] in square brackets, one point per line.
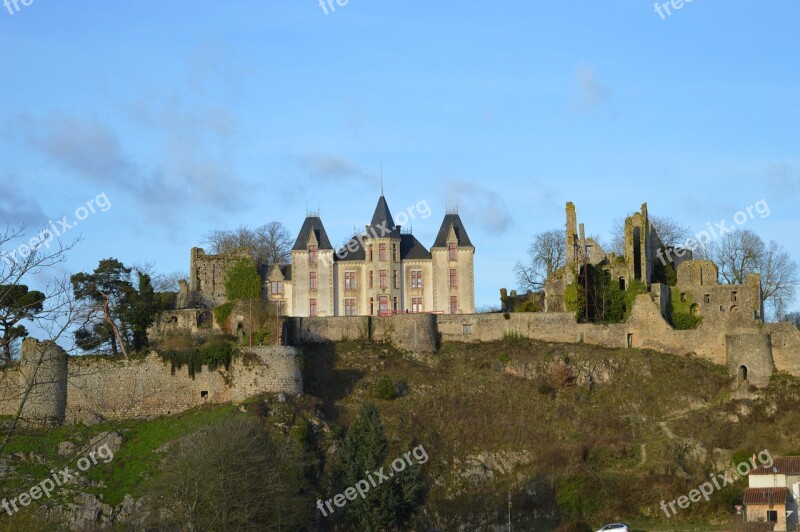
[742, 373]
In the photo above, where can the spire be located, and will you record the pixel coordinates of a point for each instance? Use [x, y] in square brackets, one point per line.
[381, 179]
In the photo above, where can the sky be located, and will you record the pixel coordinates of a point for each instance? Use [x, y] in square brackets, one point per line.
[178, 118]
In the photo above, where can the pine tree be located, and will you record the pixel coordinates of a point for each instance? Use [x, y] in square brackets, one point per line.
[391, 504]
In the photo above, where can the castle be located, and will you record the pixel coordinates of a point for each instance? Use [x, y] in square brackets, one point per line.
[383, 271]
[327, 296]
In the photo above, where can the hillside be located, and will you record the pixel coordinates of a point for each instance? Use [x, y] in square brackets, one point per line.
[572, 432]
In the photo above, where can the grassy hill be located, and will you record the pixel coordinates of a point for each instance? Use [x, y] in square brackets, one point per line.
[571, 432]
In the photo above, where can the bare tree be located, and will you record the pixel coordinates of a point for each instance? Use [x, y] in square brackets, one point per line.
[546, 254]
[793, 318]
[778, 278]
[162, 282]
[232, 476]
[33, 262]
[269, 244]
[741, 252]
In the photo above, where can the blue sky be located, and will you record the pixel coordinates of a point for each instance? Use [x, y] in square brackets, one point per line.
[193, 116]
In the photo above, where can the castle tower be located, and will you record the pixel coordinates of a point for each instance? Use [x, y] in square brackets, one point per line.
[453, 268]
[382, 259]
[43, 371]
[312, 270]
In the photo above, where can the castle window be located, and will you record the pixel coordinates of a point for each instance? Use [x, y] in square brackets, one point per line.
[383, 305]
[382, 252]
[281, 305]
[396, 279]
[416, 279]
[453, 278]
[371, 305]
[383, 278]
[453, 255]
[312, 254]
[313, 307]
[350, 280]
[622, 284]
[467, 330]
[370, 279]
[394, 303]
[416, 304]
[369, 249]
[394, 252]
[349, 307]
[453, 305]
[203, 394]
[276, 287]
[733, 297]
[707, 298]
[312, 281]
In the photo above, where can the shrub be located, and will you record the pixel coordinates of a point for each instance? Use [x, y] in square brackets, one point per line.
[303, 432]
[222, 313]
[577, 497]
[217, 354]
[504, 358]
[384, 389]
[547, 389]
[683, 321]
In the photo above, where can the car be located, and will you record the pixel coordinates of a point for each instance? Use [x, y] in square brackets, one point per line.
[616, 527]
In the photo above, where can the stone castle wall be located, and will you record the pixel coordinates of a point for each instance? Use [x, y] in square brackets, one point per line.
[761, 348]
[411, 332]
[90, 389]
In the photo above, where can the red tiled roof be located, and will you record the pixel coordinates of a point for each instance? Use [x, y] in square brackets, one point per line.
[765, 496]
[785, 465]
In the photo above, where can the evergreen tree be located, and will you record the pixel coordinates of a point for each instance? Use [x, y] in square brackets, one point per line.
[16, 304]
[391, 504]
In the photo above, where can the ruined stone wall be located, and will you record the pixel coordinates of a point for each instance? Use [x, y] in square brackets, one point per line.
[785, 344]
[92, 389]
[207, 276]
[198, 322]
[719, 303]
[751, 351]
[646, 329]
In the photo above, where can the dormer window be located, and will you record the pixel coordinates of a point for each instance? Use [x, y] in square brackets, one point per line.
[453, 255]
[312, 254]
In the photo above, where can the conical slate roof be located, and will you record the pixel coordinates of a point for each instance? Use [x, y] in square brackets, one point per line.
[312, 223]
[382, 224]
[454, 220]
